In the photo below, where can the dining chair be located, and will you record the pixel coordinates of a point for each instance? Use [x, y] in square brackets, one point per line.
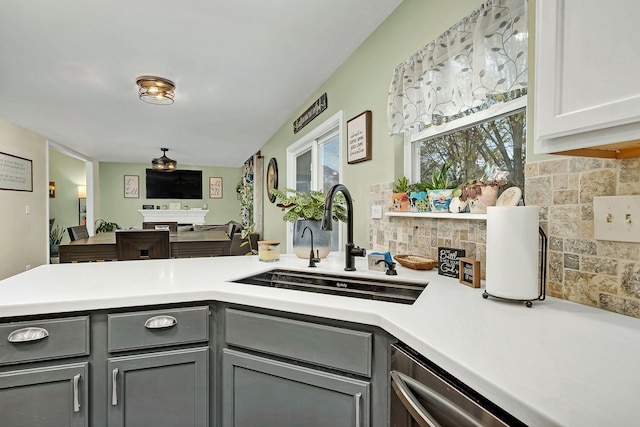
[142, 244]
[78, 232]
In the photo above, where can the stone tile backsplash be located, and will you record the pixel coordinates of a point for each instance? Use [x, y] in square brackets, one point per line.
[598, 273]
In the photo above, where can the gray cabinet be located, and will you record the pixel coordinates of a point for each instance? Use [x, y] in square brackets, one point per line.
[149, 385]
[258, 391]
[279, 371]
[50, 396]
[168, 388]
[36, 389]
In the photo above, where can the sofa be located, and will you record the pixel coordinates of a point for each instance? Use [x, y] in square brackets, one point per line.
[233, 230]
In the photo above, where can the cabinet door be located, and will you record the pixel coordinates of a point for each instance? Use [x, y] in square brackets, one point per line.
[586, 74]
[51, 396]
[159, 389]
[269, 393]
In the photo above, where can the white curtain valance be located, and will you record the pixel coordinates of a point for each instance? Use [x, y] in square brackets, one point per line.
[484, 54]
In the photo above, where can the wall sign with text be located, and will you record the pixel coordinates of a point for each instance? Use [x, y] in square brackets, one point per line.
[359, 138]
[449, 261]
[215, 187]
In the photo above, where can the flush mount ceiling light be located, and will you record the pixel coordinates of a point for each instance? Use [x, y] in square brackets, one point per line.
[155, 90]
[164, 164]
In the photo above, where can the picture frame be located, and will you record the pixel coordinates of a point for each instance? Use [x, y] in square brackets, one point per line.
[449, 261]
[359, 138]
[215, 187]
[16, 173]
[470, 272]
[131, 186]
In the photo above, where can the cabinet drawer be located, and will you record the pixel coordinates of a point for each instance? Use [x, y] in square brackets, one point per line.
[343, 349]
[157, 328]
[44, 339]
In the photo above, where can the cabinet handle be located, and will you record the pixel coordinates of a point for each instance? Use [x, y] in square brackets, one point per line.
[160, 322]
[357, 398]
[76, 397]
[114, 387]
[28, 335]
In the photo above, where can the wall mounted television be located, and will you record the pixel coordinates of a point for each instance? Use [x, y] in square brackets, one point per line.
[180, 184]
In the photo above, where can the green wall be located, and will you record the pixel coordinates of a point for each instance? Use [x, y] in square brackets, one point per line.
[68, 173]
[362, 83]
[115, 208]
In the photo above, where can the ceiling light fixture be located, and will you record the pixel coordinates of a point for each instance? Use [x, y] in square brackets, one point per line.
[164, 164]
[155, 90]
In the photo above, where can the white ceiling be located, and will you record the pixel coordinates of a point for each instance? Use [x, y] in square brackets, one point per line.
[241, 68]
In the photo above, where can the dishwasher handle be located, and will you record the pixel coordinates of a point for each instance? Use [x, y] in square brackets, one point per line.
[403, 386]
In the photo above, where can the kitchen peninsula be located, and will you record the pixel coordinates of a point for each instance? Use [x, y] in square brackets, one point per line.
[558, 363]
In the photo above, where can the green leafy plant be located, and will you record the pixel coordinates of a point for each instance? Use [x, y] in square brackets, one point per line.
[308, 205]
[103, 226]
[245, 234]
[402, 186]
[439, 178]
[55, 234]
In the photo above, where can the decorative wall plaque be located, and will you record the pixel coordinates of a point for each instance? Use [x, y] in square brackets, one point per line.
[449, 261]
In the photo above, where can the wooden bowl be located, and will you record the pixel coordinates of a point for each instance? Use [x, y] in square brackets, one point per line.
[416, 262]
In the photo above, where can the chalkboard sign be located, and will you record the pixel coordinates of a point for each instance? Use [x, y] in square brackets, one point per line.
[448, 261]
[470, 272]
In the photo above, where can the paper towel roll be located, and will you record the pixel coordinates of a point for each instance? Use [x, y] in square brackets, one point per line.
[512, 252]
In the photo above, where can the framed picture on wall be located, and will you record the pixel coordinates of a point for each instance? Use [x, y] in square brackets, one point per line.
[359, 138]
[215, 187]
[131, 186]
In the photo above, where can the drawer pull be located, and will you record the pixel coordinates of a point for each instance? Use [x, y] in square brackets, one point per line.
[28, 335]
[114, 387]
[160, 322]
[76, 397]
[357, 398]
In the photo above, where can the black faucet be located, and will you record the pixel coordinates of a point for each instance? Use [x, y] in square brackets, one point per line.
[312, 260]
[351, 250]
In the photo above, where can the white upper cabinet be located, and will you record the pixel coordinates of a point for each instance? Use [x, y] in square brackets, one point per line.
[587, 78]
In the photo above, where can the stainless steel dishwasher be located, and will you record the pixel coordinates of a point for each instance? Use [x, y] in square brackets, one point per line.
[423, 395]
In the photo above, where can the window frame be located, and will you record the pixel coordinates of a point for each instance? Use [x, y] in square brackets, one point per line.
[412, 160]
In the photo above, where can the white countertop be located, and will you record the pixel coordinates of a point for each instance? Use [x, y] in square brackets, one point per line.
[558, 363]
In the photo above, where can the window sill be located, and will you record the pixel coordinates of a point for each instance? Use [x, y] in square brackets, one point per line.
[437, 215]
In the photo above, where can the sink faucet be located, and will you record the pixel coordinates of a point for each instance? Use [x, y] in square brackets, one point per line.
[312, 260]
[351, 250]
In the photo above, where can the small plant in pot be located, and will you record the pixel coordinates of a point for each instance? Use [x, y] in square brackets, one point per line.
[418, 201]
[305, 209]
[483, 192]
[400, 195]
[103, 226]
[55, 237]
[439, 191]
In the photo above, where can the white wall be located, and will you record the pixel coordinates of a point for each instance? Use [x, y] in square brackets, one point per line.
[25, 238]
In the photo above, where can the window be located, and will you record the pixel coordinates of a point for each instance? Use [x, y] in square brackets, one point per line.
[494, 136]
[314, 163]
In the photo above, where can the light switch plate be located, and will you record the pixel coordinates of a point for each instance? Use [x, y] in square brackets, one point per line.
[376, 212]
[617, 218]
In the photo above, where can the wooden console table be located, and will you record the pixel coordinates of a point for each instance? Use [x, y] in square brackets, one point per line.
[184, 244]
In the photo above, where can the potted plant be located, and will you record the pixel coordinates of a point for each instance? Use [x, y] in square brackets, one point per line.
[400, 195]
[55, 237]
[418, 197]
[103, 226]
[483, 192]
[305, 209]
[439, 191]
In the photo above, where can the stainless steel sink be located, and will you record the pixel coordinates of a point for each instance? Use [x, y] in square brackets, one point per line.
[355, 287]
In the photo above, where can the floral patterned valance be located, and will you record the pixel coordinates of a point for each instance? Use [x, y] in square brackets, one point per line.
[483, 55]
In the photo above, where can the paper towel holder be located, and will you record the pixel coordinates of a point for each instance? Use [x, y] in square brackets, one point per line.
[543, 276]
